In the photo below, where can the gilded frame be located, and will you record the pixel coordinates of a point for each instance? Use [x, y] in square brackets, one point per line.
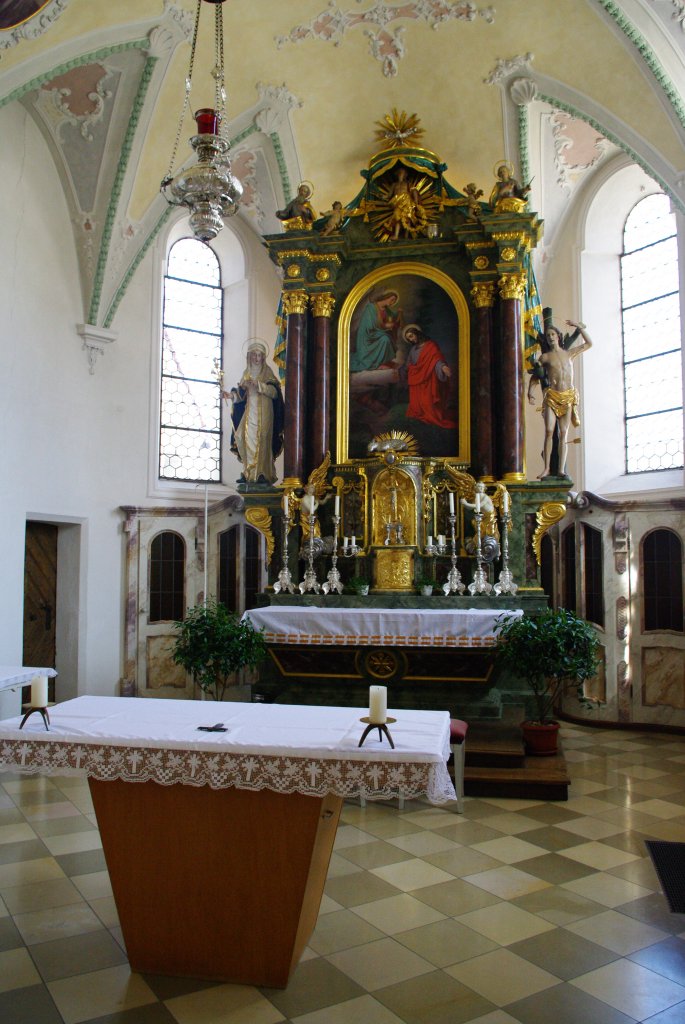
[456, 300]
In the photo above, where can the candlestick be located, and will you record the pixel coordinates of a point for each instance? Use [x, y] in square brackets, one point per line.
[285, 580]
[378, 704]
[454, 581]
[333, 580]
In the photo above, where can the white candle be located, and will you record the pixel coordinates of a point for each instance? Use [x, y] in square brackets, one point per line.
[429, 542]
[39, 692]
[441, 540]
[353, 540]
[378, 704]
[346, 542]
[451, 503]
[477, 501]
[337, 504]
[285, 506]
[505, 503]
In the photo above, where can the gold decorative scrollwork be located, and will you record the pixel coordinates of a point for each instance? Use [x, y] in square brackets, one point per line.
[323, 304]
[311, 257]
[517, 238]
[546, 516]
[483, 294]
[512, 286]
[294, 302]
[260, 518]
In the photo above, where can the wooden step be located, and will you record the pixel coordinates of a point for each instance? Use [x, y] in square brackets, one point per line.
[539, 778]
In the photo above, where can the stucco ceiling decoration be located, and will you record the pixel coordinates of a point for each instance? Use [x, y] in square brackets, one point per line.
[79, 96]
[385, 38]
[27, 19]
[678, 14]
[577, 146]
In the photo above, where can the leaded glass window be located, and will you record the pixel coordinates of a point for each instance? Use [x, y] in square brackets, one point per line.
[190, 421]
[167, 578]
[652, 360]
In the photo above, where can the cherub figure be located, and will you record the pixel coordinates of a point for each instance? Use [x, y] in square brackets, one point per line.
[473, 208]
[334, 218]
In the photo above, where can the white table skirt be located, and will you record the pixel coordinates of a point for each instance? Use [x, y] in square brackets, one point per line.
[372, 627]
[12, 676]
[285, 748]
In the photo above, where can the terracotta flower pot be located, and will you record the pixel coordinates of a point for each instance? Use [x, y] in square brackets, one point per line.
[540, 738]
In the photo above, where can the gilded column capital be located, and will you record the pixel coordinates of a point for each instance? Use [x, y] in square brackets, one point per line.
[483, 294]
[294, 302]
[512, 286]
[323, 304]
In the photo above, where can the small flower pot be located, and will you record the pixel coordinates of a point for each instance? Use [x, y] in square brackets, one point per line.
[540, 738]
[426, 591]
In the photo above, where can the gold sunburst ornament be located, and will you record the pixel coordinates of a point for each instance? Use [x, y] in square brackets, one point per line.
[399, 129]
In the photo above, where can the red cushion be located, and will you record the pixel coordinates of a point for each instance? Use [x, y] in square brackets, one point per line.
[458, 730]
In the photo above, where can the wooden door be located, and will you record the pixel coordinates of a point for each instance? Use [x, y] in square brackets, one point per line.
[40, 598]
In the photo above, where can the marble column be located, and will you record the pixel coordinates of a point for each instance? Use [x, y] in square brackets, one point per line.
[318, 441]
[508, 403]
[295, 310]
[482, 386]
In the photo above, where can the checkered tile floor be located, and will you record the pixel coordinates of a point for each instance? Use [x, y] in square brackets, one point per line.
[517, 911]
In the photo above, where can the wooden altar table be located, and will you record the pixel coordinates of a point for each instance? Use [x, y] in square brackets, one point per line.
[218, 843]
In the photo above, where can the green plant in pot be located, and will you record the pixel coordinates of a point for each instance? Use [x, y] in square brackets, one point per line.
[212, 643]
[424, 584]
[358, 585]
[554, 652]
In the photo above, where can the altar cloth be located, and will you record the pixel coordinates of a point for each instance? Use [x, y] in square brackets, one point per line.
[374, 627]
[284, 748]
[12, 676]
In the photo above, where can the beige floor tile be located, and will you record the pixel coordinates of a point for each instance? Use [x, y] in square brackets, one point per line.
[631, 989]
[505, 923]
[342, 930]
[379, 964]
[586, 787]
[94, 885]
[77, 842]
[398, 913]
[606, 889]
[446, 942]
[110, 991]
[365, 1010]
[328, 906]
[57, 923]
[455, 897]
[507, 882]
[17, 970]
[419, 844]
[19, 833]
[430, 817]
[659, 808]
[55, 892]
[106, 911]
[340, 865]
[462, 860]
[591, 828]
[44, 812]
[559, 906]
[511, 803]
[591, 805]
[411, 874]
[637, 771]
[509, 849]
[639, 871]
[497, 1017]
[349, 835]
[29, 871]
[374, 854]
[224, 1004]
[617, 932]
[502, 977]
[670, 831]
[29, 784]
[511, 824]
[598, 855]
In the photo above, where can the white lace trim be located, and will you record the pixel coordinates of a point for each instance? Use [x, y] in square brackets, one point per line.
[307, 775]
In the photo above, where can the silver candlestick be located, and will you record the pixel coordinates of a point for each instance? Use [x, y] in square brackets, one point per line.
[310, 581]
[480, 583]
[285, 580]
[351, 549]
[333, 581]
[454, 581]
[505, 584]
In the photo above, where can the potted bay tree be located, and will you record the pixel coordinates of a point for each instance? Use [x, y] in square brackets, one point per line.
[212, 643]
[554, 652]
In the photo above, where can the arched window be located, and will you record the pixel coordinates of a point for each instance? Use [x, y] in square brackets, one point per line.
[652, 362]
[240, 567]
[167, 578]
[190, 418]
[662, 575]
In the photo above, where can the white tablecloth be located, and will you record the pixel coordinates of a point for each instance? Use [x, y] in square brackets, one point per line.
[13, 675]
[311, 750]
[372, 627]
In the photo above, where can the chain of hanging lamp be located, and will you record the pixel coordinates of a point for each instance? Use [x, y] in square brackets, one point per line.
[208, 189]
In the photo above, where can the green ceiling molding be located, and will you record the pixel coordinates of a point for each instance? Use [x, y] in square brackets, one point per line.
[524, 149]
[568, 108]
[110, 218]
[61, 69]
[128, 277]
[280, 159]
[647, 54]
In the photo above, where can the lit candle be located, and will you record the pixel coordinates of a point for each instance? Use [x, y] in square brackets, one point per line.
[39, 692]
[477, 501]
[337, 504]
[378, 704]
[451, 503]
